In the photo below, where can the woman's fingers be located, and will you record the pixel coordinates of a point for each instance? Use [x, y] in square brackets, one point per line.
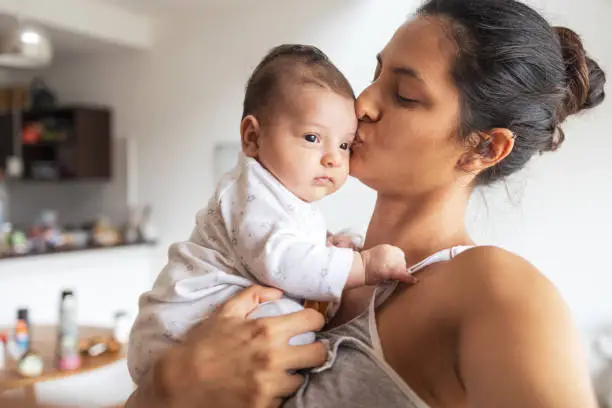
[276, 402]
[288, 384]
[299, 357]
[287, 326]
[246, 301]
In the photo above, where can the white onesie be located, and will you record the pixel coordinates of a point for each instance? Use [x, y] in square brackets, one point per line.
[254, 230]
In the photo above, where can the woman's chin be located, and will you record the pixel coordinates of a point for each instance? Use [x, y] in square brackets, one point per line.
[355, 166]
[358, 169]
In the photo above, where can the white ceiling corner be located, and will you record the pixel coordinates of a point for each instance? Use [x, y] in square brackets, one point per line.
[158, 7]
[114, 28]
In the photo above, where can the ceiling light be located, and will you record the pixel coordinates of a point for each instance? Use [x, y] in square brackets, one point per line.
[25, 46]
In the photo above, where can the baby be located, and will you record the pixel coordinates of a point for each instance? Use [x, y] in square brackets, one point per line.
[261, 226]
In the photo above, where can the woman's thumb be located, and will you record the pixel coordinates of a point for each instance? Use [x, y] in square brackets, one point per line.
[246, 301]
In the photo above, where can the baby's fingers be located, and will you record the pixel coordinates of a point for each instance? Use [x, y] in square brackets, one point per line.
[403, 275]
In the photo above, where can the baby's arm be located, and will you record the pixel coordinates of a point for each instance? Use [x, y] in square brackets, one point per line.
[275, 252]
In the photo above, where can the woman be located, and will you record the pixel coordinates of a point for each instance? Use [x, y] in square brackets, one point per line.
[463, 95]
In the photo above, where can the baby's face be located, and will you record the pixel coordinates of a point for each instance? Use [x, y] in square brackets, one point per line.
[307, 145]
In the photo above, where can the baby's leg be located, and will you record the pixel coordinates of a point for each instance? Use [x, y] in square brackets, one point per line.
[282, 307]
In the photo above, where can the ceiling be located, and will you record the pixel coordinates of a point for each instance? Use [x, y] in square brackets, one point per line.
[157, 7]
[65, 43]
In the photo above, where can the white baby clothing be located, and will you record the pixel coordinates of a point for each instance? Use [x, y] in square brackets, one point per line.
[254, 230]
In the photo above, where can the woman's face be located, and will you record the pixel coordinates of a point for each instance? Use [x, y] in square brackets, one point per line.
[407, 140]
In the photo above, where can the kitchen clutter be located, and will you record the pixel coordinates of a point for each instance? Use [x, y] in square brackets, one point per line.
[18, 350]
[47, 234]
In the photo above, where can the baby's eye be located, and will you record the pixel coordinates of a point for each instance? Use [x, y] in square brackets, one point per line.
[345, 146]
[311, 138]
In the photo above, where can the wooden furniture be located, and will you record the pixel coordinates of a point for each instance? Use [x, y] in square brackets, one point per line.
[75, 143]
[43, 342]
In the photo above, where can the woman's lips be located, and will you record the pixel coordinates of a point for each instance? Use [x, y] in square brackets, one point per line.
[357, 142]
[358, 139]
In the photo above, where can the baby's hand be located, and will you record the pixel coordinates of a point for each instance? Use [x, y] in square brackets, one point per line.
[383, 263]
[341, 241]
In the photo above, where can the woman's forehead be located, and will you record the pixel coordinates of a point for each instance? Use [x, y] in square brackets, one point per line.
[423, 44]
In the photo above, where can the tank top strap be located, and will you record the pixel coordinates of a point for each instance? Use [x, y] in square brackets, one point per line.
[383, 292]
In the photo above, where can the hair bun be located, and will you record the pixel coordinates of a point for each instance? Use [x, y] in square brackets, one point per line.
[585, 80]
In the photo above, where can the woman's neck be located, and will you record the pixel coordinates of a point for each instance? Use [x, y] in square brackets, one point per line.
[420, 226]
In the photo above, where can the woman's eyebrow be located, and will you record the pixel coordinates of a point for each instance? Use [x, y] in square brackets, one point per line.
[403, 71]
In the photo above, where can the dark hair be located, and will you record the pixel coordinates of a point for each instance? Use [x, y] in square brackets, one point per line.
[288, 65]
[514, 71]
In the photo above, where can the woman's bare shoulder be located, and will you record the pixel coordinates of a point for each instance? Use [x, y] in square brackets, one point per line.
[517, 343]
[490, 276]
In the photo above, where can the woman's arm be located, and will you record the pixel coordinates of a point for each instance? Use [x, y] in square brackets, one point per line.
[229, 361]
[518, 346]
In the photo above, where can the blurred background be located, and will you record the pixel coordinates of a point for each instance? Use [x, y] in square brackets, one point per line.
[118, 116]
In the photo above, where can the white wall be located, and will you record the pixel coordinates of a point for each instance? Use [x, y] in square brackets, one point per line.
[185, 95]
[104, 282]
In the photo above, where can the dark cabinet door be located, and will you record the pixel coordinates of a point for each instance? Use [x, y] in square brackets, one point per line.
[70, 143]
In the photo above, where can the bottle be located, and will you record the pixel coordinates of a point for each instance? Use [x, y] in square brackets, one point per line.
[121, 331]
[4, 202]
[3, 353]
[5, 238]
[67, 353]
[22, 331]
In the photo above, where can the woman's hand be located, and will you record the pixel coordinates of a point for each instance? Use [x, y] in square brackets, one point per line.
[229, 361]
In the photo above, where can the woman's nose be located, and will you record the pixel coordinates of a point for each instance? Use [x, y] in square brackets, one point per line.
[367, 106]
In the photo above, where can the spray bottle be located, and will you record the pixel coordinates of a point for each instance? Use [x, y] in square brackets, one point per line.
[67, 354]
[22, 331]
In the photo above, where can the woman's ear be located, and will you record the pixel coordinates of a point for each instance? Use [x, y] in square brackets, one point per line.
[250, 133]
[487, 149]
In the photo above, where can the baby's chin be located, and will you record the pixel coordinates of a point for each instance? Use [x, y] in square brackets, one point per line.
[315, 194]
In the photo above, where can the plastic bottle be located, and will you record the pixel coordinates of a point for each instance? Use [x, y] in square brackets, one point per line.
[22, 331]
[67, 354]
[3, 353]
[121, 331]
[4, 202]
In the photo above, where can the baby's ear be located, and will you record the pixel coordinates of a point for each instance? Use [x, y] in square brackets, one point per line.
[250, 132]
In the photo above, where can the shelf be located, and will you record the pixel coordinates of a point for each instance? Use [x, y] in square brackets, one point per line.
[46, 144]
[61, 110]
[73, 250]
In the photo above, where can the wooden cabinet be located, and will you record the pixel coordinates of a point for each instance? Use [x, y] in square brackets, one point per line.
[66, 143]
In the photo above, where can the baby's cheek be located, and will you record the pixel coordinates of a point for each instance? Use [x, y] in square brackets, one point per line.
[343, 175]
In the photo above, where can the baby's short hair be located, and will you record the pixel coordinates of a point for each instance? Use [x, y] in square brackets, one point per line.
[287, 65]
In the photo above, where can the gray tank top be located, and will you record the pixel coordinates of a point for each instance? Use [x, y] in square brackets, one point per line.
[356, 373]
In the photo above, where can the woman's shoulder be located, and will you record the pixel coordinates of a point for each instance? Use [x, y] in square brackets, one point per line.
[490, 278]
[496, 267]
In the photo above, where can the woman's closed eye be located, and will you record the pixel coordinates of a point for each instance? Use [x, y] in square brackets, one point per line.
[406, 101]
[311, 138]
